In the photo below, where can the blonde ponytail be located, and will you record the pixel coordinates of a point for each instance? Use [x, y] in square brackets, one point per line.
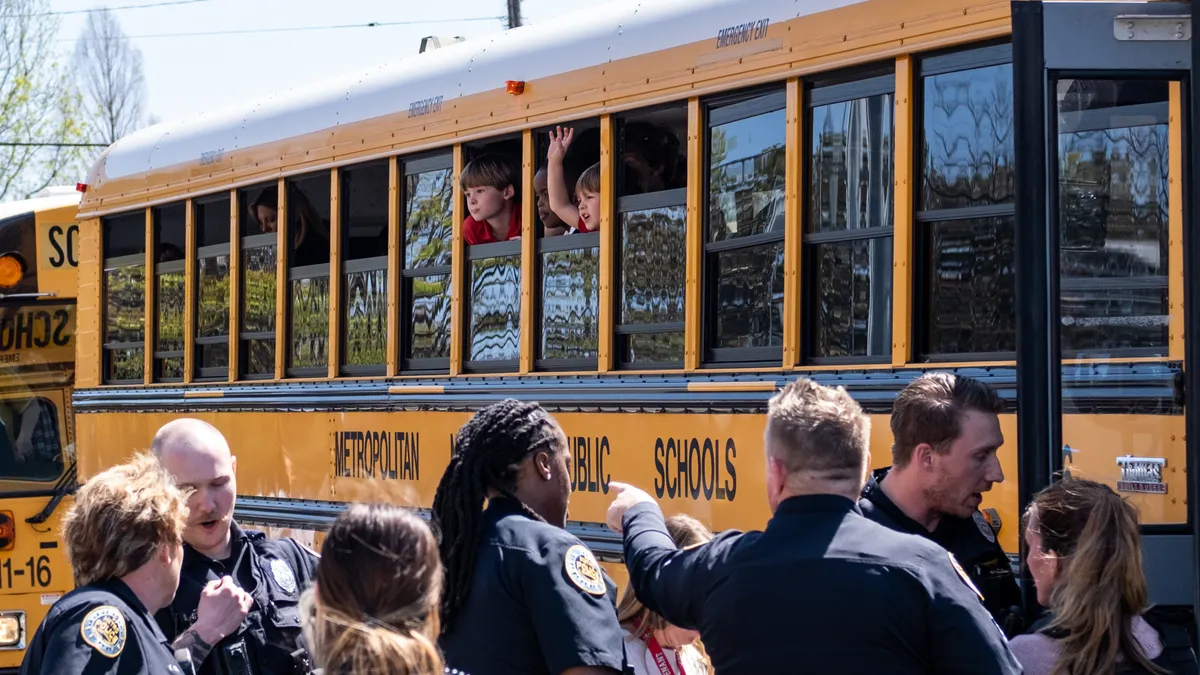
[343, 645]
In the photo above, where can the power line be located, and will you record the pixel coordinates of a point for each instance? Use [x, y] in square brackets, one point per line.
[372, 24]
[53, 145]
[102, 9]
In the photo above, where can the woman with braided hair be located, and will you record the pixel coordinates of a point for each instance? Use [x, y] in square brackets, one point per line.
[521, 594]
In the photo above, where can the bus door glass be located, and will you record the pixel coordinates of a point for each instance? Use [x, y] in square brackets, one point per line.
[32, 441]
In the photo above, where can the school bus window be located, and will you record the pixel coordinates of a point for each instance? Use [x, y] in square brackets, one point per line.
[364, 204]
[745, 226]
[259, 260]
[652, 237]
[428, 222]
[569, 266]
[848, 237]
[30, 445]
[491, 181]
[170, 223]
[1113, 192]
[965, 205]
[211, 218]
[308, 275]
[124, 300]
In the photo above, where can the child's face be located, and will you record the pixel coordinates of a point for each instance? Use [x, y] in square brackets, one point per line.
[486, 202]
[542, 190]
[589, 209]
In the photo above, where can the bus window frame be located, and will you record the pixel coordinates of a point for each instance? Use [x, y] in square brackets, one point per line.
[719, 111]
[954, 60]
[299, 273]
[580, 241]
[355, 266]
[427, 162]
[830, 89]
[500, 249]
[250, 243]
[108, 348]
[161, 268]
[211, 373]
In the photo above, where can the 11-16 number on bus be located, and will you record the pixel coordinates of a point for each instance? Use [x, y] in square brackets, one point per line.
[38, 569]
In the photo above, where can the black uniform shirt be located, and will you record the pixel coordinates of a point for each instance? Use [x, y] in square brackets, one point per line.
[821, 590]
[275, 572]
[973, 543]
[102, 628]
[539, 602]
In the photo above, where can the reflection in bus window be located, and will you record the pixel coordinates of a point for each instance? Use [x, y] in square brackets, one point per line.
[428, 222]
[849, 230]
[30, 445]
[1113, 200]
[170, 233]
[966, 206]
[212, 283]
[364, 203]
[124, 298]
[570, 302]
[308, 274]
[258, 282]
[745, 219]
[495, 309]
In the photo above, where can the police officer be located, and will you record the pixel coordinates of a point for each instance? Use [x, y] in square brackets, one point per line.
[822, 589]
[946, 432]
[521, 594]
[274, 572]
[124, 539]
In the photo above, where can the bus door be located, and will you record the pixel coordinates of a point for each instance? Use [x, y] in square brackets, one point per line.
[1106, 245]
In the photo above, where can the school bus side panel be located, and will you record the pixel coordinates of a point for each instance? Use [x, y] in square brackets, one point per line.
[35, 572]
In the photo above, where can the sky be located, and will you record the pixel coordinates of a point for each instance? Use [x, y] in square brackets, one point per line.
[185, 74]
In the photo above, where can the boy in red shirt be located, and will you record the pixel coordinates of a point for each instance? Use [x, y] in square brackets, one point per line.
[488, 182]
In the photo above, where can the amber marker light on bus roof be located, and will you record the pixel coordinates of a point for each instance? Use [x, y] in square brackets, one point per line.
[12, 270]
[8, 531]
[515, 87]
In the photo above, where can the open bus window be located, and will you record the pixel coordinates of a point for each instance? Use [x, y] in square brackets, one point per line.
[364, 219]
[848, 234]
[652, 244]
[427, 221]
[212, 282]
[124, 297]
[308, 274]
[30, 445]
[170, 225]
[259, 259]
[745, 226]
[493, 338]
[569, 266]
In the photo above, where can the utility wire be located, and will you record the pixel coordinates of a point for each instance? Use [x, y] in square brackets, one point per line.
[8, 144]
[292, 29]
[102, 9]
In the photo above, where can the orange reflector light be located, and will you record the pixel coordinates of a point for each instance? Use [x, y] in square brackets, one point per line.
[515, 87]
[8, 531]
[12, 270]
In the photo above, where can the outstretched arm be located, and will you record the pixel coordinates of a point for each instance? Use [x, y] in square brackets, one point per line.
[556, 181]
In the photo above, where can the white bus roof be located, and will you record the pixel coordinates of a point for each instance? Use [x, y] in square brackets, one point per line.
[50, 198]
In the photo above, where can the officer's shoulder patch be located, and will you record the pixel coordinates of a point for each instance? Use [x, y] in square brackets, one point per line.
[984, 528]
[963, 575]
[103, 629]
[283, 575]
[584, 571]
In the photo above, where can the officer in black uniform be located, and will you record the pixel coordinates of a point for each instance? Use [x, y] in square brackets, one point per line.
[124, 540]
[274, 572]
[822, 589]
[947, 432]
[521, 594]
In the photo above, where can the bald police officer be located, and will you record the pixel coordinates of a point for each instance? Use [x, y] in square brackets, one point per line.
[822, 589]
[266, 639]
[946, 432]
[124, 539]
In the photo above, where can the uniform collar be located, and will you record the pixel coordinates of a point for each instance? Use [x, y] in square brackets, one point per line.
[873, 492]
[827, 503]
[125, 593]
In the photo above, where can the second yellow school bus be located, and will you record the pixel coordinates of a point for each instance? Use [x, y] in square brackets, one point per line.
[828, 189]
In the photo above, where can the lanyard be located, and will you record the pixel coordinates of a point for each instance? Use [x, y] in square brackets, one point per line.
[660, 658]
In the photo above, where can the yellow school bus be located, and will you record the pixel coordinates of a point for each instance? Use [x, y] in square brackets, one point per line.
[39, 254]
[857, 191]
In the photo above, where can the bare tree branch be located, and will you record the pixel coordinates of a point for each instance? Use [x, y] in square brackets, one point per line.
[108, 68]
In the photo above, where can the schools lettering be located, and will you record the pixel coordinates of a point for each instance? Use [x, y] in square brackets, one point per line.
[742, 33]
[34, 328]
[693, 468]
[63, 243]
[587, 463]
[388, 455]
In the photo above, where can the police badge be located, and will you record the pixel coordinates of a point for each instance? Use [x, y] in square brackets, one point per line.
[283, 575]
[984, 528]
[104, 630]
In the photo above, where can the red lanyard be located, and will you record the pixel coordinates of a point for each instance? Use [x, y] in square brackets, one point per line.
[660, 658]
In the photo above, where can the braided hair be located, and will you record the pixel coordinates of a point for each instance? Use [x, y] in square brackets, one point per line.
[488, 453]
